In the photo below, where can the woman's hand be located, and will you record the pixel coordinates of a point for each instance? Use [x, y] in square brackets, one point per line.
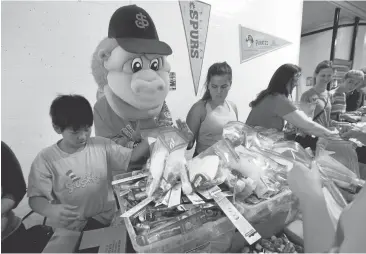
[332, 134]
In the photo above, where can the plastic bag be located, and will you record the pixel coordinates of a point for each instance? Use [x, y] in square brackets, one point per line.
[210, 167]
[268, 175]
[344, 152]
[284, 203]
[166, 162]
[337, 172]
[292, 150]
[234, 133]
[261, 137]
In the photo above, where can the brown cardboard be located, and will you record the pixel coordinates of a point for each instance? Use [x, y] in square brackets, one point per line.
[110, 239]
[63, 241]
[294, 232]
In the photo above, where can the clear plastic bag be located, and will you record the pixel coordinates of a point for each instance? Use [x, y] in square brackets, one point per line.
[234, 133]
[166, 162]
[337, 172]
[210, 167]
[261, 137]
[292, 150]
[268, 175]
[344, 152]
[283, 203]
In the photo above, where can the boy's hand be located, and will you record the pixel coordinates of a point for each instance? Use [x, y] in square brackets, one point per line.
[64, 214]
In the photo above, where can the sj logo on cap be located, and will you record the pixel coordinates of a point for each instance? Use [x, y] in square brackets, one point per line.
[141, 21]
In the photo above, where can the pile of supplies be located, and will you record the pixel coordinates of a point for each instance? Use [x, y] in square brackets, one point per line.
[275, 244]
[175, 204]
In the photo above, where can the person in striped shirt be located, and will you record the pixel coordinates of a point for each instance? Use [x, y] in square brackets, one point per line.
[352, 80]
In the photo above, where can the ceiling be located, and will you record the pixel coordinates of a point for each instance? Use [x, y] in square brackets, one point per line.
[320, 14]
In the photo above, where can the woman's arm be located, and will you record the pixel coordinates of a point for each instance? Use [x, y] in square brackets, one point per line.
[194, 119]
[302, 121]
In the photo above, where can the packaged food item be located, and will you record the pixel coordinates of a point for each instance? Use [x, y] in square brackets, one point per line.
[275, 244]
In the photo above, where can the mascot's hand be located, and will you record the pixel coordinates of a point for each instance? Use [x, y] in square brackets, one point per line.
[136, 135]
[183, 127]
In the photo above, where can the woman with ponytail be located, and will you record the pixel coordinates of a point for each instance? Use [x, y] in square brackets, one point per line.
[208, 116]
[272, 107]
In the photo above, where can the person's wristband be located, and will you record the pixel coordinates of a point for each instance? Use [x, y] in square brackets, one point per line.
[130, 144]
[135, 144]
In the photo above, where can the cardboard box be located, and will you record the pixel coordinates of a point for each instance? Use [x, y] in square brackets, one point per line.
[63, 241]
[105, 240]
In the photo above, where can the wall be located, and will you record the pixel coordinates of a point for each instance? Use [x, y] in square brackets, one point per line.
[316, 48]
[47, 47]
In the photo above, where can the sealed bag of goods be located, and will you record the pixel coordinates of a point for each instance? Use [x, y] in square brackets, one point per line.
[167, 163]
[344, 151]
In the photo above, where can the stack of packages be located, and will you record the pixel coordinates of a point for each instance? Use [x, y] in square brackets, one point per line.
[194, 205]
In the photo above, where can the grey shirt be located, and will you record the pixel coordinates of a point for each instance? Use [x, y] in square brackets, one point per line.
[269, 112]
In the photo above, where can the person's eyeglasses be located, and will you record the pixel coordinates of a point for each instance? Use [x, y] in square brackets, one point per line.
[297, 75]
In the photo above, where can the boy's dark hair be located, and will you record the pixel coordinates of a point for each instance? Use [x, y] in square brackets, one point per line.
[71, 111]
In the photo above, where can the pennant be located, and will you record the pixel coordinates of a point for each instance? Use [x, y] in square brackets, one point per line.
[254, 44]
[195, 17]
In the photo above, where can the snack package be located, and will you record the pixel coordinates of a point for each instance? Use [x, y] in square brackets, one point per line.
[210, 167]
[166, 162]
[343, 151]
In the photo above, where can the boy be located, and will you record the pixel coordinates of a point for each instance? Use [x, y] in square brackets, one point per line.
[69, 182]
[352, 80]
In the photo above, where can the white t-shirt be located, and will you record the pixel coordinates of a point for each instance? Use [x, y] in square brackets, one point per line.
[81, 179]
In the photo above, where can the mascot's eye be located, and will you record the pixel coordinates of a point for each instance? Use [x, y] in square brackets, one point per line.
[154, 64]
[136, 64]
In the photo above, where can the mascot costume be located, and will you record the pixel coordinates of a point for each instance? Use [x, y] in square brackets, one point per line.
[132, 73]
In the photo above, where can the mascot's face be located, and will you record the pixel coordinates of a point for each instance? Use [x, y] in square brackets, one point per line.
[140, 80]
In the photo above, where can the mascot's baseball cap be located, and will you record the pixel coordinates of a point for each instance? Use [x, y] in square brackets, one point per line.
[135, 31]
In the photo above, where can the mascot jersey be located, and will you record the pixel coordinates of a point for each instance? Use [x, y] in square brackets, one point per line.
[108, 124]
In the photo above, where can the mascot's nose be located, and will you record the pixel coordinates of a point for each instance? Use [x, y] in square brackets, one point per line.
[149, 82]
